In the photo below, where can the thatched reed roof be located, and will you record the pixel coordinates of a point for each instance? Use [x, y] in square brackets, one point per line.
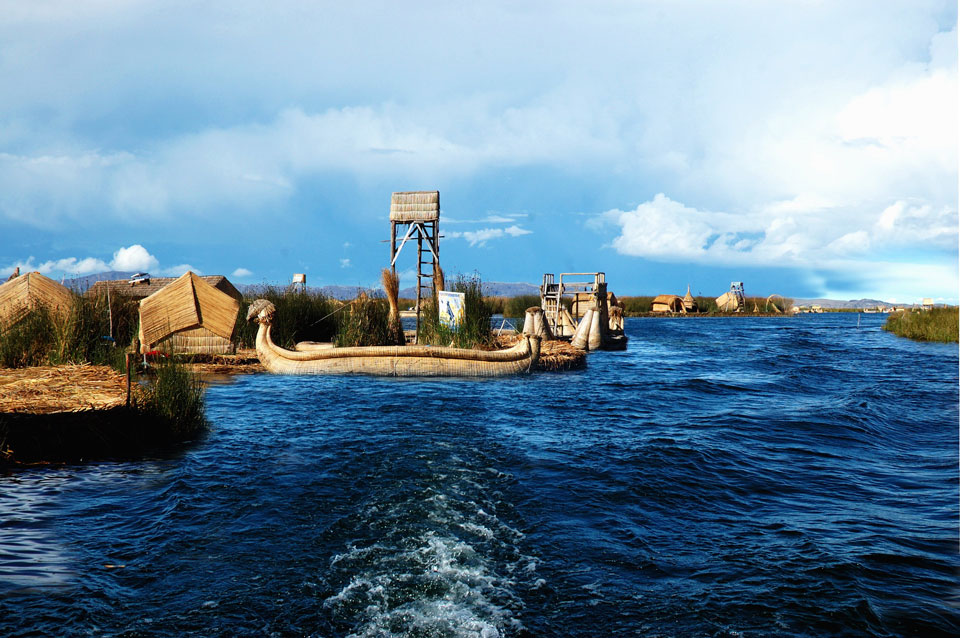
[19, 295]
[415, 206]
[667, 303]
[142, 290]
[187, 303]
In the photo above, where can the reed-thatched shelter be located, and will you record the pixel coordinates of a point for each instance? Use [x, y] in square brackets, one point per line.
[583, 301]
[143, 288]
[667, 303]
[188, 316]
[31, 290]
[415, 206]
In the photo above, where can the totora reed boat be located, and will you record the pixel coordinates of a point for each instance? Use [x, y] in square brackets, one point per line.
[390, 361]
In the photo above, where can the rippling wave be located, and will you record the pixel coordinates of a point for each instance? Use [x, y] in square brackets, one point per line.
[749, 477]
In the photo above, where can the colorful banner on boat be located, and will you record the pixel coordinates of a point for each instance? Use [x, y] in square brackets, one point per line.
[451, 308]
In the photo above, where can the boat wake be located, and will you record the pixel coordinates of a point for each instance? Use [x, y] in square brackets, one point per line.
[432, 558]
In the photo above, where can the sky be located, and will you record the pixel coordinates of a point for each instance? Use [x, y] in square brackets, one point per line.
[807, 148]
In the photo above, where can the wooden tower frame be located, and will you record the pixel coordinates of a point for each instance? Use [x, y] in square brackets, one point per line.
[419, 211]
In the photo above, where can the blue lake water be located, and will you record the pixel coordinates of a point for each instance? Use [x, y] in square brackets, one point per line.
[722, 477]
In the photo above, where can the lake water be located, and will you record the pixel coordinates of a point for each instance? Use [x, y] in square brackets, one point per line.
[722, 477]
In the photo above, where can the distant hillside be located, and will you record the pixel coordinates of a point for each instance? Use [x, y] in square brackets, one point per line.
[490, 289]
[851, 304]
[81, 284]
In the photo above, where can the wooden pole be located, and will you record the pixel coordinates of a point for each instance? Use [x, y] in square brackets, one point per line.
[393, 245]
[419, 275]
[110, 311]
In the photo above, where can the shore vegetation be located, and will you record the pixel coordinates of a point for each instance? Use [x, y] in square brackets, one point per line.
[938, 324]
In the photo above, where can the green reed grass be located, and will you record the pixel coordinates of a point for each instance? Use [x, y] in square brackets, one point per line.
[473, 332]
[365, 323]
[28, 342]
[516, 307]
[939, 324]
[81, 335]
[175, 397]
[300, 316]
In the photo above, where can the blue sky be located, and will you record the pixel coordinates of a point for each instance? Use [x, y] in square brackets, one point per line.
[806, 148]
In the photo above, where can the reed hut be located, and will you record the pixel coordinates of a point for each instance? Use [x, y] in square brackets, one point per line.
[188, 316]
[142, 288]
[667, 303]
[20, 295]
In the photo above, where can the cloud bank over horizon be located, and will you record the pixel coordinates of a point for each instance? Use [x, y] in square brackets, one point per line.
[818, 139]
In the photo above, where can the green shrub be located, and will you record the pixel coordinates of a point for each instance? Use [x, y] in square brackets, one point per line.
[939, 324]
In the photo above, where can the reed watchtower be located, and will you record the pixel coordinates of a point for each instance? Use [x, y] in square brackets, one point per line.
[419, 212]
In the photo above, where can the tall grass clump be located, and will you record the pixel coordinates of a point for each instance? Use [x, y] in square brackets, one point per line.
[516, 307]
[473, 332]
[28, 342]
[300, 316]
[939, 324]
[366, 323]
[176, 398]
[85, 335]
[79, 334]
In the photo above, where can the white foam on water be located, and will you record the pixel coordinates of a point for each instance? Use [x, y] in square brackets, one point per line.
[453, 593]
[444, 566]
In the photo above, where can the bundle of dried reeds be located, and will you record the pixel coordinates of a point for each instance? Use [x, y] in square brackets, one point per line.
[68, 388]
[391, 285]
[555, 356]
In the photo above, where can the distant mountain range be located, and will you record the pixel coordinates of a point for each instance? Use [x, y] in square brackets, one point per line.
[490, 288]
[81, 284]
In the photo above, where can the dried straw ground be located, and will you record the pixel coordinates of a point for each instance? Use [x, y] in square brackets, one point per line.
[555, 356]
[68, 388]
[245, 361]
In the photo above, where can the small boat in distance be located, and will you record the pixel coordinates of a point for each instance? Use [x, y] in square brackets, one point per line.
[390, 361]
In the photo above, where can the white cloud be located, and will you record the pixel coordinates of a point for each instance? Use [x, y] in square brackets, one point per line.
[240, 273]
[791, 132]
[345, 263]
[176, 271]
[482, 236]
[134, 257]
[70, 266]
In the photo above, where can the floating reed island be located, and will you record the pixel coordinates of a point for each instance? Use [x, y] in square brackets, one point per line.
[78, 412]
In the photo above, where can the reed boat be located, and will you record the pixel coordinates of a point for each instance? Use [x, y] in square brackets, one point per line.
[389, 361]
